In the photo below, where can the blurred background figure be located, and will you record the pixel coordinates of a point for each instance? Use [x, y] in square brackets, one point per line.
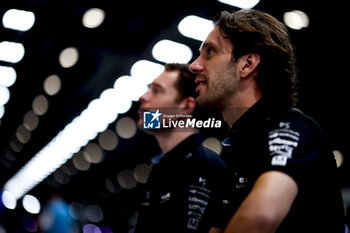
[55, 217]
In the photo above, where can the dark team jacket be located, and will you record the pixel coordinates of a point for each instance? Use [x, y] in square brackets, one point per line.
[181, 190]
[266, 139]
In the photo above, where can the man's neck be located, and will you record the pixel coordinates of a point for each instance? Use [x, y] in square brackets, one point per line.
[237, 107]
[231, 115]
[169, 140]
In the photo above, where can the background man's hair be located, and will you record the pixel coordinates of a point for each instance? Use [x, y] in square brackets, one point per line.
[185, 83]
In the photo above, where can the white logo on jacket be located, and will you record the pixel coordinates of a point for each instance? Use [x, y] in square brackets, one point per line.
[282, 142]
[164, 198]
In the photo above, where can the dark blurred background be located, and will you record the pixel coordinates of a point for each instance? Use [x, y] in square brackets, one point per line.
[68, 62]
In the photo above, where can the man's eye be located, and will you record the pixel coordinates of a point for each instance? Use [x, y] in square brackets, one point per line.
[210, 51]
[155, 90]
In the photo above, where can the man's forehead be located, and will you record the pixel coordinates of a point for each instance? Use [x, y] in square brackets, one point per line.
[165, 79]
[215, 39]
[207, 43]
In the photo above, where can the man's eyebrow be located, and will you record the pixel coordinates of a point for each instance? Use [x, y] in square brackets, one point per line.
[207, 44]
[202, 46]
[156, 85]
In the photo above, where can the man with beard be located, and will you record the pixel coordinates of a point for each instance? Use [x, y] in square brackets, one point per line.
[282, 171]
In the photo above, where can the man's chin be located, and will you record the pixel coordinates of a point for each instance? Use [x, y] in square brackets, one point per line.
[140, 124]
[204, 102]
[148, 131]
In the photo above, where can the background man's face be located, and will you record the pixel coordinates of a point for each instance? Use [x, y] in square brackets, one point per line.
[162, 94]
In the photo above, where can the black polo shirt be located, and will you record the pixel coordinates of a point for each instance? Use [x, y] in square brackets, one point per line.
[181, 190]
[266, 139]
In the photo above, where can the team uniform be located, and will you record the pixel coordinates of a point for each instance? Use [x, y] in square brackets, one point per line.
[181, 190]
[266, 139]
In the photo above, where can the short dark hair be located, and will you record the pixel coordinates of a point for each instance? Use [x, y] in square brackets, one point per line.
[253, 31]
[185, 82]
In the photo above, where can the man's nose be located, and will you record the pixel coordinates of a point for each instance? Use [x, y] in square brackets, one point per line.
[196, 66]
[143, 97]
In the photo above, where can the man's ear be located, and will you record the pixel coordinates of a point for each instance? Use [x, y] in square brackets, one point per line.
[249, 64]
[189, 104]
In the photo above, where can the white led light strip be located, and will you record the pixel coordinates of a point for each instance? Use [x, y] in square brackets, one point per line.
[94, 119]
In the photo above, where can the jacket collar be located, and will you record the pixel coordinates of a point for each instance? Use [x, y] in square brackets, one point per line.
[255, 117]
